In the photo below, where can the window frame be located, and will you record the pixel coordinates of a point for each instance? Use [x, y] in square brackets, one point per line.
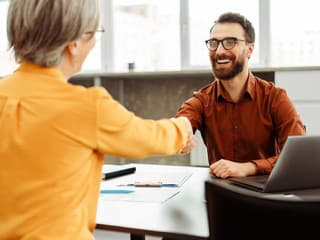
[107, 43]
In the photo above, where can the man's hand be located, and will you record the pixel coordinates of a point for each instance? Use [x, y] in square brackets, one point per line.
[191, 142]
[226, 168]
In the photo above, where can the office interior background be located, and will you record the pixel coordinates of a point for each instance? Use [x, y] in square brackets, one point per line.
[152, 55]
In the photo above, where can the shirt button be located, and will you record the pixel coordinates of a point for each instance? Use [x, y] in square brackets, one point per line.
[236, 126]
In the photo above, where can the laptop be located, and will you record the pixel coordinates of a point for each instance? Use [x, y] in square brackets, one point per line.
[297, 168]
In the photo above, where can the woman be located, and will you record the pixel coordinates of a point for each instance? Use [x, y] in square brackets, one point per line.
[53, 134]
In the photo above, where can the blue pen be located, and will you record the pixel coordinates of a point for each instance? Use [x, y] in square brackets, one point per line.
[116, 191]
[169, 185]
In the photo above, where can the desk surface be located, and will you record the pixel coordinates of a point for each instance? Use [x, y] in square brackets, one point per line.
[184, 216]
[305, 201]
[305, 195]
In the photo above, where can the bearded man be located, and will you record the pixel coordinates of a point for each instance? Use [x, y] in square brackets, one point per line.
[244, 120]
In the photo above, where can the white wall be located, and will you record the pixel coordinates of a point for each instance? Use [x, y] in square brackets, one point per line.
[198, 156]
[303, 87]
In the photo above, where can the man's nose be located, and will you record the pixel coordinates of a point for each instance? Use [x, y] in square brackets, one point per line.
[220, 48]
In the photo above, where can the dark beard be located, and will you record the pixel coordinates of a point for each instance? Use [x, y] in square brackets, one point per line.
[227, 74]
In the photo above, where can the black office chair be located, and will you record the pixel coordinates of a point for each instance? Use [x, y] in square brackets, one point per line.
[248, 215]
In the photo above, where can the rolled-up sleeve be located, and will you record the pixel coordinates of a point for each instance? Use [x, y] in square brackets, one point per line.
[287, 123]
[192, 109]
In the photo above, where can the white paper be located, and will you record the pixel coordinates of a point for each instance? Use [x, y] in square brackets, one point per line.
[168, 177]
[145, 194]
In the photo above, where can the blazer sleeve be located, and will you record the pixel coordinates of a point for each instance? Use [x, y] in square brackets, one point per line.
[121, 133]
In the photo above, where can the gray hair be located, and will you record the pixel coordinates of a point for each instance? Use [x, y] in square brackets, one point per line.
[39, 30]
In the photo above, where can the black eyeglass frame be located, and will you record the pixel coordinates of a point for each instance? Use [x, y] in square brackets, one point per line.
[99, 30]
[223, 42]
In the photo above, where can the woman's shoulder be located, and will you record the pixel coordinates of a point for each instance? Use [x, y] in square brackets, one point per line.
[96, 92]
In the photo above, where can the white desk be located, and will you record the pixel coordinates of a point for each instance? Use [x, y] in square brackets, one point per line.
[183, 216]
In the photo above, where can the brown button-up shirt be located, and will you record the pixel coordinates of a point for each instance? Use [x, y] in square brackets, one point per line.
[253, 129]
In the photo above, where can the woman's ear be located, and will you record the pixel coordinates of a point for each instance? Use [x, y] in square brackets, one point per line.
[70, 56]
[72, 48]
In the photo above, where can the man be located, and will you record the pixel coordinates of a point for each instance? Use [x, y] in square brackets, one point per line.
[244, 120]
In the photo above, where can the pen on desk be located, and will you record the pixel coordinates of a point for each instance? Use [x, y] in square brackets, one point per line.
[116, 191]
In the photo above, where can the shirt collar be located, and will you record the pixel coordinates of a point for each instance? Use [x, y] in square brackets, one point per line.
[52, 72]
[250, 86]
[249, 89]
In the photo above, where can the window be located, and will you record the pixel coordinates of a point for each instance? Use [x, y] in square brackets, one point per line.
[93, 61]
[202, 16]
[156, 36]
[295, 34]
[7, 62]
[146, 33]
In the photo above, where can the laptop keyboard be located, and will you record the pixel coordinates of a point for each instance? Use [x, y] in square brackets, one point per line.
[262, 180]
[256, 183]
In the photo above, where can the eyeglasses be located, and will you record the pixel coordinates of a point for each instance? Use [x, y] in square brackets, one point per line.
[227, 43]
[99, 30]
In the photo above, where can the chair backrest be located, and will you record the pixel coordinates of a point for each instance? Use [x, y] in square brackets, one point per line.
[235, 213]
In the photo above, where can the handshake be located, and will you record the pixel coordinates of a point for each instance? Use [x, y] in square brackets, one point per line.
[191, 141]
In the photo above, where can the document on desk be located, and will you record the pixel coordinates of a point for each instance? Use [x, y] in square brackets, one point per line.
[176, 177]
[159, 194]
